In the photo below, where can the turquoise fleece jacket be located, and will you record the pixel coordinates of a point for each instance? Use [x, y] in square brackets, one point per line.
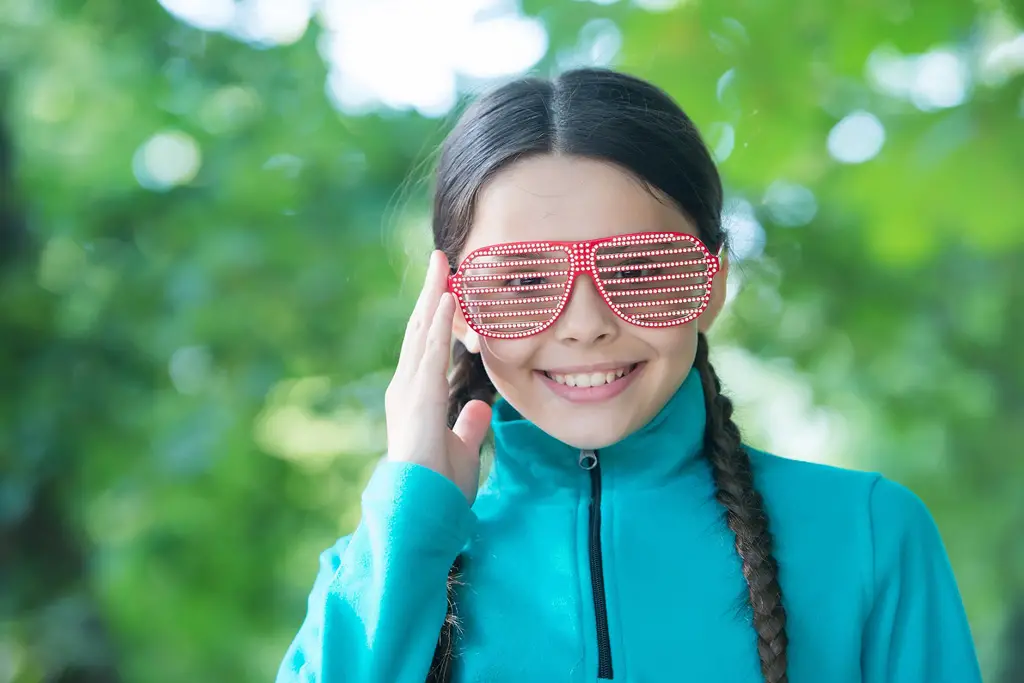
[628, 572]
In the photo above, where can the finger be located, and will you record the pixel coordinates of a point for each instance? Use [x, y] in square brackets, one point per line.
[472, 425]
[437, 350]
[422, 314]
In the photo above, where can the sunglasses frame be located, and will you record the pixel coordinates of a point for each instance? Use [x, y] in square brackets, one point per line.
[583, 261]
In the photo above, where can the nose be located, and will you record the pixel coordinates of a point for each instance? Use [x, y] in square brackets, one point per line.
[586, 318]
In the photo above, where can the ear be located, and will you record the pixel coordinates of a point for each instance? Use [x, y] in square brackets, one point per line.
[462, 332]
[718, 290]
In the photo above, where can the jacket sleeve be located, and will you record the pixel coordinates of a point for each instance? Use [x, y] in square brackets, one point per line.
[917, 630]
[377, 605]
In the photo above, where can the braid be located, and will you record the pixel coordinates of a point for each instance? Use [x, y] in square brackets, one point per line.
[744, 512]
[441, 665]
[468, 381]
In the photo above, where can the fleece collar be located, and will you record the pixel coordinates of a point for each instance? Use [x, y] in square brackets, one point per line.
[527, 458]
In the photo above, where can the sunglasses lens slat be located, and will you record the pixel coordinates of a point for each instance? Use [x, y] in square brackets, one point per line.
[508, 291]
[656, 282]
[513, 291]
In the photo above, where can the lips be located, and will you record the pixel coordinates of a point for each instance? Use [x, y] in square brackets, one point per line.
[591, 384]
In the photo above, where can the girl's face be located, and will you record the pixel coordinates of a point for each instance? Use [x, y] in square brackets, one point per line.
[571, 198]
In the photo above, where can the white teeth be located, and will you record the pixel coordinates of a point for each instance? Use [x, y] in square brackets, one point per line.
[594, 379]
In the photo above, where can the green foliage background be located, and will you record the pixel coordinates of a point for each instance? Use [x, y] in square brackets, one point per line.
[193, 378]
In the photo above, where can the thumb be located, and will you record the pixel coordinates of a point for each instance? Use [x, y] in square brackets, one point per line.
[472, 425]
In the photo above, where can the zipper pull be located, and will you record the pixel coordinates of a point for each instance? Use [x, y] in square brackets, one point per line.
[588, 459]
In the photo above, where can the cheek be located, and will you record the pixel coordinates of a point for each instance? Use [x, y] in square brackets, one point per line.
[671, 343]
[507, 359]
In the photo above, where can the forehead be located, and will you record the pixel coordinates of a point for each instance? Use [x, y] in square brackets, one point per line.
[564, 198]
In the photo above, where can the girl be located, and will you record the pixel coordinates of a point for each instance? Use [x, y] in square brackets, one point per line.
[624, 532]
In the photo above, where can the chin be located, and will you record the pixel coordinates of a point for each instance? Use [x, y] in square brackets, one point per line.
[583, 436]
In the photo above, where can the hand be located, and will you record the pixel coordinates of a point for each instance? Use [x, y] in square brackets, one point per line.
[416, 401]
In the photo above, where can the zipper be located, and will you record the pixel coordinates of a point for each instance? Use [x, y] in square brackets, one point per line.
[589, 462]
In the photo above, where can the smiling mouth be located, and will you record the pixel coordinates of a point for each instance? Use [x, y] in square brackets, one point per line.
[591, 379]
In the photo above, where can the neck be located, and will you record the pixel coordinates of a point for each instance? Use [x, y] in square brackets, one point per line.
[527, 459]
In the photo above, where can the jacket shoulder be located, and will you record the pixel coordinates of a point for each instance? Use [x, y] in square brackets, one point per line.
[821, 520]
[813, 507]
[810, 480]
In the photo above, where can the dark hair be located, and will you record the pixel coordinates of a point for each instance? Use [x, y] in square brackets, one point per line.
[614, 117]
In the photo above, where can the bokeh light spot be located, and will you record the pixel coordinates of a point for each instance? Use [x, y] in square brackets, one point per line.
[209, 15]
[657, 5]
[408, 54]
[857, 138]
[189, 369]
[722, 140]
[940, 82]
[167, 159]
[937, 79]
[502, 46]
[601, 41]
[789, 204]
[272, 22]
[746, 235]
[61, 265]
[229, 109]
